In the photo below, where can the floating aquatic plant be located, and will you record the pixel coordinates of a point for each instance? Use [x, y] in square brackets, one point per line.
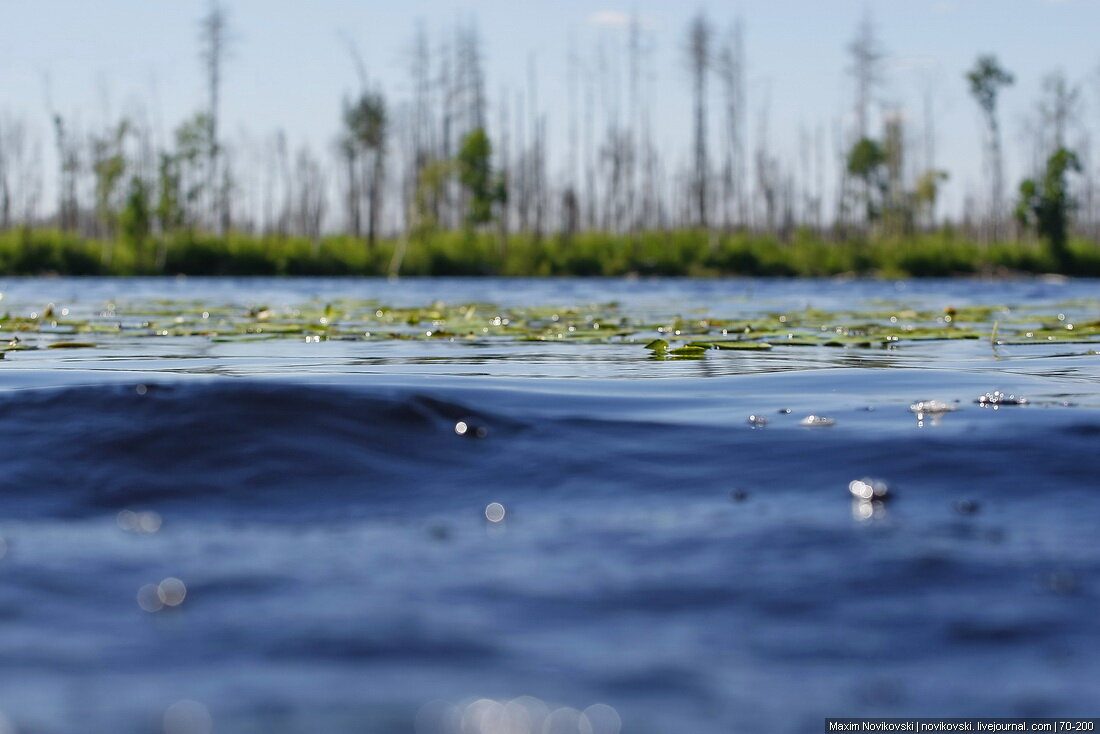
[665, 335]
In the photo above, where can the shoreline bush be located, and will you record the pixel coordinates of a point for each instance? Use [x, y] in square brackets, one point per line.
[592, 254]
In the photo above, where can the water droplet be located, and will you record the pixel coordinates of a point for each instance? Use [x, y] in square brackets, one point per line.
[565, 721]
[139, 522]
[149, 522]
[869, 489]
[495, 512]
[187, 717]
[148, 599]
[966, 507]
[171, 592]
[603, 719]
[468, 430]
[997, 398]
[866, 510]
[931, 407]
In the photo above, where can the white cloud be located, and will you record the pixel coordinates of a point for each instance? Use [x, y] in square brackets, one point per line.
[610, 18]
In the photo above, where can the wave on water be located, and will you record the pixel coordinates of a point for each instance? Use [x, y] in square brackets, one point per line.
[398, 558]
[271, 448]
[249, 444]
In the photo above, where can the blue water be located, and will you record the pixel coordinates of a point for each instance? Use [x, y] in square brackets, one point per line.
[662, 566]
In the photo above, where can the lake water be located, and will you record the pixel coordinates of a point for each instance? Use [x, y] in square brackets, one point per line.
[291, 536]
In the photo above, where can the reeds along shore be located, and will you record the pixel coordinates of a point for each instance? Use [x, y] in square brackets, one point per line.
[667, 253]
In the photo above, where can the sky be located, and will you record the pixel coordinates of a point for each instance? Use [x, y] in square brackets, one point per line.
[289, 67]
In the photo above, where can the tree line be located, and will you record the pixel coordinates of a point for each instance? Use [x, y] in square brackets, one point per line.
[442, 160]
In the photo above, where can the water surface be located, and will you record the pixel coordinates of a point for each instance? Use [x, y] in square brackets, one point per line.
[662, 564]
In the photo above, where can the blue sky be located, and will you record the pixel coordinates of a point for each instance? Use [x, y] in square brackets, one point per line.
[289, 68]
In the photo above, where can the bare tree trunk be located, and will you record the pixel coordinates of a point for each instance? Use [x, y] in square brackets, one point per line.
[730, 68]
[376, 184]
[214, 39]
[998, 179]
[5, 191]
[866, 70]
[700, 34]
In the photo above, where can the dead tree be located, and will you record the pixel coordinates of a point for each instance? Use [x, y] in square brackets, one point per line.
[700, 37]
[730, 70]
[866, 70]
[986, 80]
[213, 41]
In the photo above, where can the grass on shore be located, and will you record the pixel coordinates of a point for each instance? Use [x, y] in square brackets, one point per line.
[679, 253]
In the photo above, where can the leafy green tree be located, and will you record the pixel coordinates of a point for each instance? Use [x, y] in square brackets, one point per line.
[109, 166]
[135, 221]
[475, 173]
[898, 204]
[986, 80]
[867, 163]
[366, 121]
[169, 211]
[190, 160]
[366, 124]
[927, 193]
[431, 181]
[1046, 206]
[68, 205]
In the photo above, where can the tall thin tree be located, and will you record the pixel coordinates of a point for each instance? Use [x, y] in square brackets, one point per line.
[986, 80]
[866, 70]
[213, 36]
[730, 69]
[699, 41]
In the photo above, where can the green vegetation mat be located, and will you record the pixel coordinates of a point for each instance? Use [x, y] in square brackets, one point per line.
[664, 337]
